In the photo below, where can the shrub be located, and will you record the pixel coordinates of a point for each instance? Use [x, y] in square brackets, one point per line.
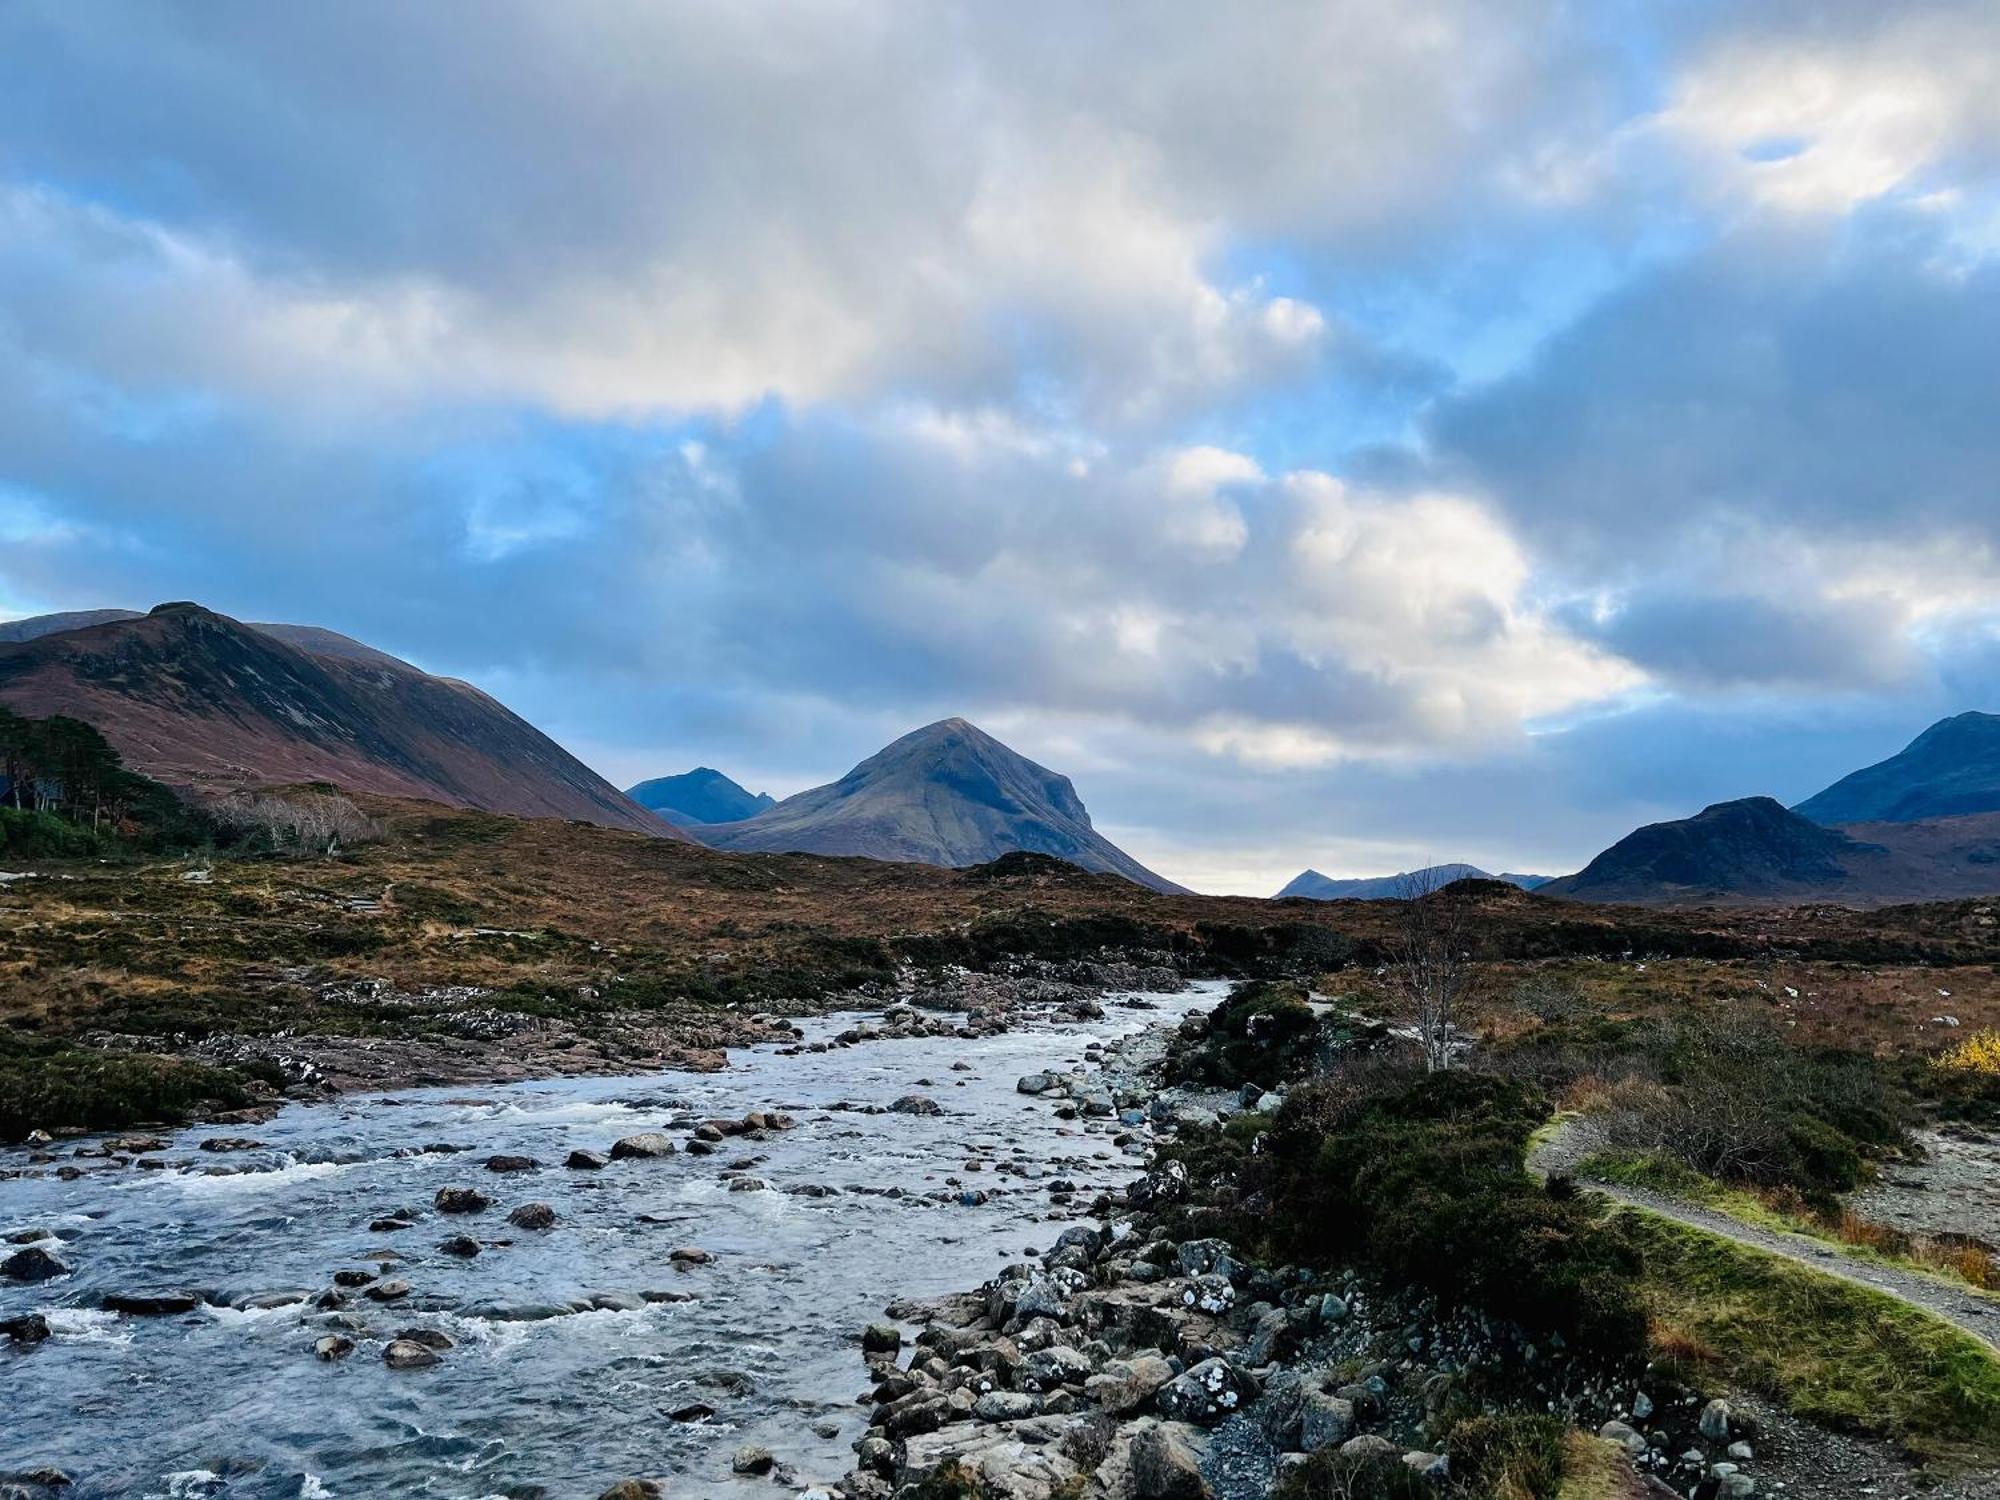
[46, 1084]
[1265, 1033]
[1978, 1053]
[1518, 1456]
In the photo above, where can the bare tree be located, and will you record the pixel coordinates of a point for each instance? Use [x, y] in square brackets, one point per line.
[304, 823]
[1433, 968]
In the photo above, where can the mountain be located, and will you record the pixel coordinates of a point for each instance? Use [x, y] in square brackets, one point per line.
[699, 796]
[946, 794]
[197, 699]
[1756, 851]
[1951, 769]
[1317, 887]
[36, 626]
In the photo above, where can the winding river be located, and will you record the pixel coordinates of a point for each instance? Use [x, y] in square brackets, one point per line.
[536, 1397]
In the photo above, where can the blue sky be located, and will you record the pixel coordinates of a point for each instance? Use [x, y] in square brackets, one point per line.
[1373, 434]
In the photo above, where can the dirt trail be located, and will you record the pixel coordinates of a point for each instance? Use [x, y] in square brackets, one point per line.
[1577, 1138]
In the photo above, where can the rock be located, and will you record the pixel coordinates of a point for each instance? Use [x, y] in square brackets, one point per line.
[1034, 1083]
[408, 1354]
[694, 1411]
[387, 1291]
[1715, 1421]
[430, 1338]
[1743, 1453]
[881, 1338]
[1210, 1293]
[1165, 1466]
[1004, 1406]
[352, 1278]
[643, 1146]
[1624, 1435]
[1324, 1421]
[1735, 1487]
[690, 1255]
[461, 1200]
[751, 1459]
[29, 1328]
[591, 1161]
[916, 1104]
[635, 1489]
[510, 1164]
[151, 1304]
[1368, 1448]
[533, 1216]
[1432, 1466]
[1198, 1257]
[334, 1346]
[32, 1264]
[1205, 1394]
[459, 1245]
[1124, 1386]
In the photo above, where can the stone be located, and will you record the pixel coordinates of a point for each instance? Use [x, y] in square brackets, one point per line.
[151, 1304]
[533, 1216]
[635, 1489]
[510, 1164]
[1624, 1435]
[29, 1328]
[334, 1346]
[591, 1161]
[1004, 1406]
[1206, 1393]
[32, 1264]
[408, 1354]
[690, 1255]
[1034, 1083]
[430, 1338]
[1324, 1421]
[751, 1459]
[1714, 1422]
[644, 1146]
[1165, 1465]
[459, 1245]
[916, 1104]
[1743, 1453]
[461, 1200]
[1124, 1386]
[881, 1338]
[387, 1291]
[352, 1278]
[1368, 1448]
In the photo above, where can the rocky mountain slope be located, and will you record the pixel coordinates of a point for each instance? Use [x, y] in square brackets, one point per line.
[197, 699]
[1317, 887]
[947, 794]
[1948, 771]
[702, 795]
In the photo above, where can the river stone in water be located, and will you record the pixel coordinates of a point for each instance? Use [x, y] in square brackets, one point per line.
[32, 1264]
[408, 1354]
[461, 1200]
[644, 1145]
[533, 1216]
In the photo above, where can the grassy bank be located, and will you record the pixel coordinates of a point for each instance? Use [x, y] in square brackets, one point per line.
[1825, 1348]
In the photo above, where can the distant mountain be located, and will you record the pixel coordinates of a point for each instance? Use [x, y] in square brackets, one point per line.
[1755, 851]
[946, 794]
[1317, 887]
[699, 796]
[198, 699]
[1951, 769]
[36, 626]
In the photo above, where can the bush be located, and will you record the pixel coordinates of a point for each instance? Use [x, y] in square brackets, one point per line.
[1514, 1457]
[43, 835]
[1265, 1033]
[46, 1084]
[1421, 1176]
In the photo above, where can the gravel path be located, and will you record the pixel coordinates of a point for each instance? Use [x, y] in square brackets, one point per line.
[1578, 1138]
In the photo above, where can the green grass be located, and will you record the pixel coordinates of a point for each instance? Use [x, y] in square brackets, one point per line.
[1593, 1469]
[1825, 1348]
[1662, 1175]
[48, 1084]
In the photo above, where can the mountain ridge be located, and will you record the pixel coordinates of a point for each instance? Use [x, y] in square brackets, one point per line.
[1950, 770]
[1313, 886]
[200, 700]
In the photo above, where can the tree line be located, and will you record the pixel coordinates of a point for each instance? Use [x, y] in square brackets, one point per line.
[64, 766]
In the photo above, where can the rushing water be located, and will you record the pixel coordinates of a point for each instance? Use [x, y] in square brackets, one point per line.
[223, 1401]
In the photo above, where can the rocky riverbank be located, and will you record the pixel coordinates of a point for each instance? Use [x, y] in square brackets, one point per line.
[1126, 1362]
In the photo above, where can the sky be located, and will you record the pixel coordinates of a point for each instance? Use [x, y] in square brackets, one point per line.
[1336, 434]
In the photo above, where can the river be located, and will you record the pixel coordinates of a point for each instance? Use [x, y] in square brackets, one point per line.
[535, 1398]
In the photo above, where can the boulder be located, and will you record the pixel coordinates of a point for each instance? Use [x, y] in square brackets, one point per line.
[387, 1291]
[1715, 1421]
[646, 1145]
[1004, 1406]
[1165, 1465]
[1124, 1386]
[881, 1338]
[510, 1164]
[461, 1200]
[460, 1246]
[1324, 1421]
[1206, 1394]
[334, 1346]
[32, 1264]
[430, 1338]
[408, 1354]
[1368, 1448]
[591, 1161]
[533, 1216]
[916, 1104]
[1034, 1083]
[29, 1328]
[751, 1459]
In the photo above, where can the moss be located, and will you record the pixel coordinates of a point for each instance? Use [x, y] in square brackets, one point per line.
[1828, 1349]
